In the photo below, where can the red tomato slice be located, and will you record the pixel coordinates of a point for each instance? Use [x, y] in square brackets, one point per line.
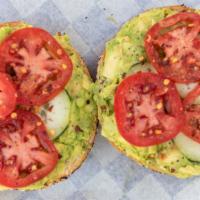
[26, 153]
[8, 96]
[192, 113]
[37, 64]
[148, 109]
[173, 47]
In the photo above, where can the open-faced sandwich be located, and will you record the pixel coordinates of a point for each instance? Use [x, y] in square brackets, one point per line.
[148, 91]
[47, 112]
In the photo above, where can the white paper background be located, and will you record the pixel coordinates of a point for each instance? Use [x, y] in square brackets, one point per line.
[106, 175]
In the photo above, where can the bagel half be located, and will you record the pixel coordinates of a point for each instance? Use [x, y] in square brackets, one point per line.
[73, 146]
[121, 55]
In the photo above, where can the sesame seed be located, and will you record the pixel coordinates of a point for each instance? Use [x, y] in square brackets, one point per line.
[59, 52]
[166, 81]
[159, 105]
[64, 66]
[14, 115]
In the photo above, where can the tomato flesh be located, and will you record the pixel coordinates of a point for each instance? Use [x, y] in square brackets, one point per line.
[192, 113]
[37, 64]
[173, 47]
[148, 109]
[8, 96]
[26, 153]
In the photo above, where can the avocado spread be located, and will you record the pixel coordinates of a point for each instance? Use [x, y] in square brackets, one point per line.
[124, 55]
[77, 139]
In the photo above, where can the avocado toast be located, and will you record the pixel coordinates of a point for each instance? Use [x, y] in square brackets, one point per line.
[70, 117]
[125, 56]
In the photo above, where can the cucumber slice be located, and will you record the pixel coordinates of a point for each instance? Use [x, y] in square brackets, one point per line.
[188, 147]
[146, 67]
[184, 89]
[55, 114]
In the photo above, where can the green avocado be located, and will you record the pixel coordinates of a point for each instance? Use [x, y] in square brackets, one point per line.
[77, 140]
[122, 56]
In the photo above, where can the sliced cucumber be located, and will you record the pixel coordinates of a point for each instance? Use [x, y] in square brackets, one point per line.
[184, 89]
[55, 114]
[146, 67]
[188, 147]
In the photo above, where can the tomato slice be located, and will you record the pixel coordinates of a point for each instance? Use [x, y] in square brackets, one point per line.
[8, 96]
[37, 64]
[173, 47]
[26, 153]
[148, 109]
[192, 113]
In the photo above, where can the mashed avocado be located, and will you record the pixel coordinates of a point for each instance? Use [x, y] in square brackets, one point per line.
[74, 144]
[121, 57]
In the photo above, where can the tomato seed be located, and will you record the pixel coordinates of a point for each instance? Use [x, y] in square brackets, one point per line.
[12, 51]
[38, 123]
[196, 68]
[148, 38]
[23, 70]
[145, 89]
[166, 89]
[33, 167]
[129, 115]
[143, 134]
[14, 115]
[14, 46]
[159, 106]
[158, 132]
[173, 59]
[190, 25]
[59, 52]
[166, 81]
[44, 91]
[64, 66]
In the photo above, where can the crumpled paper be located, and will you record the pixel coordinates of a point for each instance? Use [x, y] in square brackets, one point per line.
[106, 174]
